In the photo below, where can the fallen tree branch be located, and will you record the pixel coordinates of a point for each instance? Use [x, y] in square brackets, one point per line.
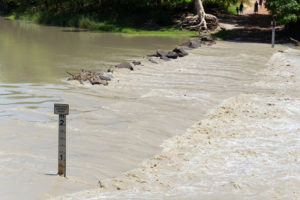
[70, 74]
[295, 41]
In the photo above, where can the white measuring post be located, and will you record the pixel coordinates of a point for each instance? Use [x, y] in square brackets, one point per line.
[62, 110]
[273, 23]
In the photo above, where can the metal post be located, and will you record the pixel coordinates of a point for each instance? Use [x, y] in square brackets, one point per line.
[62, 145]
[273, 23]
[62, 110]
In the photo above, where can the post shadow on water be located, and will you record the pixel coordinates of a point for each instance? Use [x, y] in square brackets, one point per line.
[252, 28]
[50, 174]
[56, 174]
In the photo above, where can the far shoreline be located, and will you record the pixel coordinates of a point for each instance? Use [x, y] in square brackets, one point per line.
[90, 25]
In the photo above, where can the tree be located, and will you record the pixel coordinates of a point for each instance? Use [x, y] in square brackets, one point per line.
[3, 5]
[201, 13]
[202, 21]
[287, 11]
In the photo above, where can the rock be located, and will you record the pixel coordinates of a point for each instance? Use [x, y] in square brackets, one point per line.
[194, 43]
[185, 44]
[207, 39]
[165, 58]
[110, 70]
[125, 65]
[163, 55]
[153, 55]
[172, 55]
[160, 53]
[153, 61]
[96, 80]
[136, 62]
[180, 52]
[104, 77]
[109, 75]
[84, 76]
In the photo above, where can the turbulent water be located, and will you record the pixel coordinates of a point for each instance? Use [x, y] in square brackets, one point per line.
[33, 64]
[112, 130]
[245, 148]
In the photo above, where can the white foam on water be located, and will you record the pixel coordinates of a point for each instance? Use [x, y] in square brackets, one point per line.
[112, 130]
[246, 148]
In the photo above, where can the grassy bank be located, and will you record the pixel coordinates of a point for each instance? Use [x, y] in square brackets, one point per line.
[232, 7]
[221, 35]
[92, 24]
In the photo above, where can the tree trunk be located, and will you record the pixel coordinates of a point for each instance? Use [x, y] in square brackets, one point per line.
[201, 13]
[3, 4]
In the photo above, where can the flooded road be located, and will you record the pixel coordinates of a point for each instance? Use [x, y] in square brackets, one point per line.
[245, 148]
[33, 64]
[112, 129]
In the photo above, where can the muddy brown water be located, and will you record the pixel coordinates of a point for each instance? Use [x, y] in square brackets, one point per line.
[110, 130]
[31, 53]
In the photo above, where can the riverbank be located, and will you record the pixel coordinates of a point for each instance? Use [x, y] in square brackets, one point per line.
[90, 24]
[245, 148]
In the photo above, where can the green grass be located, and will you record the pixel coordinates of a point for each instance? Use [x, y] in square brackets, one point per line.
[221, 34]
[232, 9]
[88, 23]
[129, 30]
[11, 17]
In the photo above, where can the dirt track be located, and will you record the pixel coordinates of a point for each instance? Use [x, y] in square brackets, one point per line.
[250, 9]
[250, 27]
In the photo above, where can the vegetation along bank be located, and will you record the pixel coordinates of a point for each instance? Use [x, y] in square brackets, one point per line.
[143, 16]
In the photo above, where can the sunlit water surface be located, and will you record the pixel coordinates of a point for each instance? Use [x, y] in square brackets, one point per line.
[110, 129]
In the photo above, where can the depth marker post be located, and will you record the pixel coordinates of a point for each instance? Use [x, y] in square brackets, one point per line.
[62, 110]
[273, 23]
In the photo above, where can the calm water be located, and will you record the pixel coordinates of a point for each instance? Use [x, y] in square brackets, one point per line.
[110, 129]
[31, 53]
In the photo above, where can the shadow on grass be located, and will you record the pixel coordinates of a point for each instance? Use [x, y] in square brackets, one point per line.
[253, 20]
